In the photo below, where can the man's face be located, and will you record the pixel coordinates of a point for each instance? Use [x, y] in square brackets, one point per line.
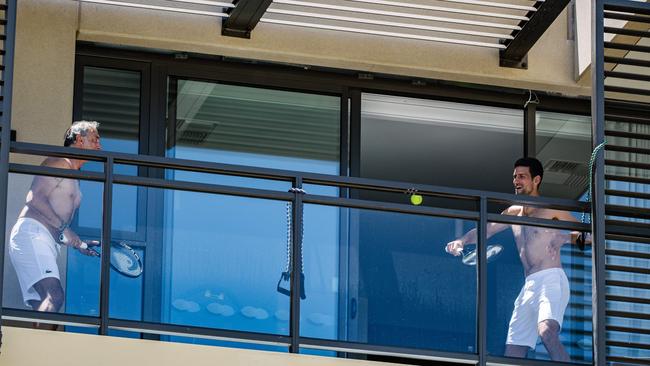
[90, 141]
[523, 182]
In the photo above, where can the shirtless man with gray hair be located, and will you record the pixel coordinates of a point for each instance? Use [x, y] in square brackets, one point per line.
[539, 308]
[43, 225]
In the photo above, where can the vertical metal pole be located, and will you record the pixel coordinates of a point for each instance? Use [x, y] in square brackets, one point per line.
[296, 266]
[355, 134]
[598, 192]
[344, 152]
[481, 293]
[105, 268]
[530, 116]
[10, 33]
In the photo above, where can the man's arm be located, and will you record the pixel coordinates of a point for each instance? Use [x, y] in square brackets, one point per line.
[575, 237]
[456, 247]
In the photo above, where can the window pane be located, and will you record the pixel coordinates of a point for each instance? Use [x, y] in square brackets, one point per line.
[34, 255]
[563, 145]
[253, 126]
[441, 143]
[392, 283]
[112, 97]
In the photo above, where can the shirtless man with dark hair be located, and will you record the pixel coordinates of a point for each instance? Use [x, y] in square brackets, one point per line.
[43, 225]
[539, 308]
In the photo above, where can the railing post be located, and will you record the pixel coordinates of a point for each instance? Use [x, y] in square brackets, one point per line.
[481, 292]
[5, 138]
[296, 264]
[598, 192]
[105, 269]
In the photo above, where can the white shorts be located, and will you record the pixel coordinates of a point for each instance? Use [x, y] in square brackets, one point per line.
[545, 296]
[33, 253]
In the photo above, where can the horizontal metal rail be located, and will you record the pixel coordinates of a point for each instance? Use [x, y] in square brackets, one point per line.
[627, 47]
[49, 318]
[627, 211]
[628, 254]
[627, 269]
[626, 32]
[628, 17]
[629, 345]
[628, 149]
[626, 90]
[627, 194]
[628, 360]
[613, 117]
[629, 299]
[495, 360]
[629, 284]
[353, 347]
[199, 332]
[620, 178]
[627, 164]
[627, 75]
[627, 61]
[616, 328]
[625, 134]
[55, 172]
[288, 176]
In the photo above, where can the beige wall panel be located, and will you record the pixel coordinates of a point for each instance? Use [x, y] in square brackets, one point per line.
[550, 61]
[69, 349]
[44, 69]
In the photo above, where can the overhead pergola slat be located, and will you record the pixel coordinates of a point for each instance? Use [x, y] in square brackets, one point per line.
[531, 31]
[244, 17]
[510, 26]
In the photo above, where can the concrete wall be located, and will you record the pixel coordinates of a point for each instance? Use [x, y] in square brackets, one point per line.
[69, 349]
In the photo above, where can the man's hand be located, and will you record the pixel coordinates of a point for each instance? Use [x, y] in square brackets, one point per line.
[72, 239]
[88, 250]
[455, 247]
[580, 238]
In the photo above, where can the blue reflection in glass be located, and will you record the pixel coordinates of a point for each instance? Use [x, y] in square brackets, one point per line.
[392, 284]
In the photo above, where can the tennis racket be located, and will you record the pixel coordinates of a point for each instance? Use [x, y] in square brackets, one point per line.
[470, 258]
[123, 258]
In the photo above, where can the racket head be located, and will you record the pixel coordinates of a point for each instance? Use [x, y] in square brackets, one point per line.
[125, 260]
[493, 251]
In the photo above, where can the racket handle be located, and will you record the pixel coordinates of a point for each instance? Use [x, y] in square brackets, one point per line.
[63, 239]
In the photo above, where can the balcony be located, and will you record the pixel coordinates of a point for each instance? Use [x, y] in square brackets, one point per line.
[374, 280]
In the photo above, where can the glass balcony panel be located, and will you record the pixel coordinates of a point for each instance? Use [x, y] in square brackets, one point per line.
[538, 275]
[208, 260]
[34, 254]
[383, 278]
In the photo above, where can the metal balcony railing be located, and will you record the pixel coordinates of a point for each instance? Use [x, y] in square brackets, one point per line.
[297, 198]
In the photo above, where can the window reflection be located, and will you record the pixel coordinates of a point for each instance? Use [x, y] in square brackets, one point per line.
[392, 282]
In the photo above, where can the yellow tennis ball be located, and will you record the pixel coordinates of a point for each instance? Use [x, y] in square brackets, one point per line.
[416, 199]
